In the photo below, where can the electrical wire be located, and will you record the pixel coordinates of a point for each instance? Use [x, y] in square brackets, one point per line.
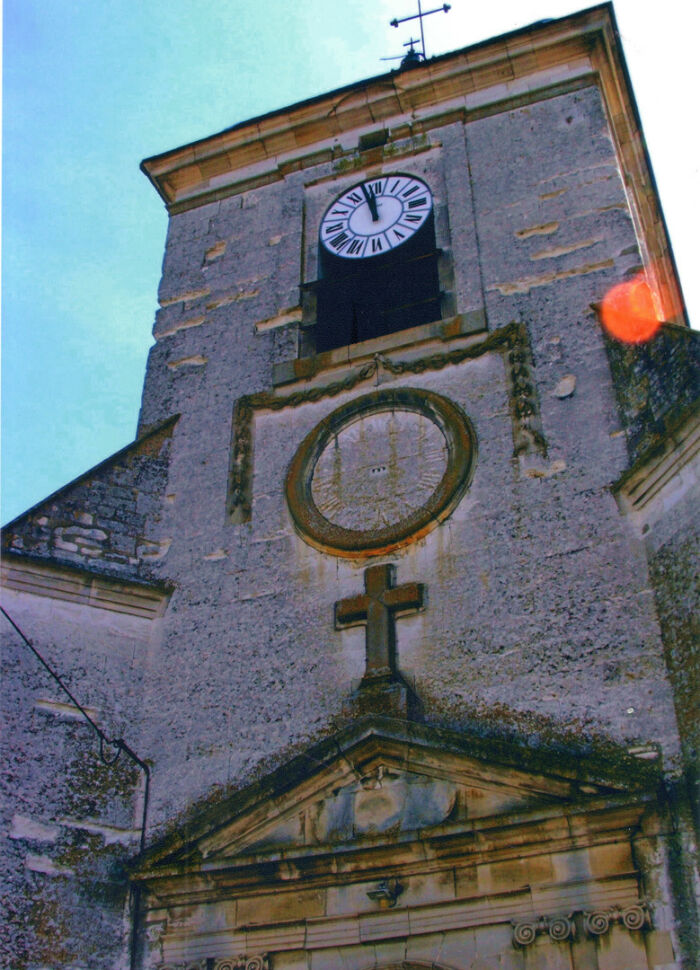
[121, 745]
[118, 743]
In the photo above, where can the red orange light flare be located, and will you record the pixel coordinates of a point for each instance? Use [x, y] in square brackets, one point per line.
[633, 311]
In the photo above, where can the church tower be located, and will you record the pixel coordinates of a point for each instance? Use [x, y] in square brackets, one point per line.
[388, 603]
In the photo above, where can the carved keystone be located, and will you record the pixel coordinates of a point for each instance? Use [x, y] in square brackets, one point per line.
[386, 893]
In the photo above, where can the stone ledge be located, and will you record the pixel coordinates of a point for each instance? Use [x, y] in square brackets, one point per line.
[662, 476]
[329, 931]
[303, 368]
[76, 586]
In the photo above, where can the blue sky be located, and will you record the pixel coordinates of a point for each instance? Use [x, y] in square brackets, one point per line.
[93, 86]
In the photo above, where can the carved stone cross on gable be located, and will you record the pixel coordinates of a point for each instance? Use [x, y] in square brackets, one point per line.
[376, 609]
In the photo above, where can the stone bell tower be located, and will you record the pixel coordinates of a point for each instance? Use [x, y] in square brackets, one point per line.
[398, 555]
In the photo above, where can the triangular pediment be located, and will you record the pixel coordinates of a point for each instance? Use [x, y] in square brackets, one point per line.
[376, 786]
[389, 790]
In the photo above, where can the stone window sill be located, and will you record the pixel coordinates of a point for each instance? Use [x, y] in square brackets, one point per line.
[461, 325]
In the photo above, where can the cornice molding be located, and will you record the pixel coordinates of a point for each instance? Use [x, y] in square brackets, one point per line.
[79, 586]
[663, 476]
[600, 901]
[404, 103]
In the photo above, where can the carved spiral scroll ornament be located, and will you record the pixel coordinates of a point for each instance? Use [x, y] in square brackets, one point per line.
[559, 928]
[596, 924]
[524, 933]
[635, 917]
[257, 962]
[380, 472]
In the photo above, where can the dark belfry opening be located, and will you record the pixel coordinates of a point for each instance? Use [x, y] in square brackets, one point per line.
[358, 299]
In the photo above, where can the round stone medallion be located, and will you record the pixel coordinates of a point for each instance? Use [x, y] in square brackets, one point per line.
[380, 472]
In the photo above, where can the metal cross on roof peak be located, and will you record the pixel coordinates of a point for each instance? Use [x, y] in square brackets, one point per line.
[413, 55]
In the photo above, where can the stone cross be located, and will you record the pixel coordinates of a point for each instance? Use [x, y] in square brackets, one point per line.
[376, 610]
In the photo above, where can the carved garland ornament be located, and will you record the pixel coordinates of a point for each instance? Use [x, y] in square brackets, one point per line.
[525, 412]
[595, 923]
[512, 340]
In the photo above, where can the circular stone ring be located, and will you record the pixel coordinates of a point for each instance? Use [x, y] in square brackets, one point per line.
[353, 522]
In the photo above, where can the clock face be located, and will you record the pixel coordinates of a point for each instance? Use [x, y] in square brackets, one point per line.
[376, 216]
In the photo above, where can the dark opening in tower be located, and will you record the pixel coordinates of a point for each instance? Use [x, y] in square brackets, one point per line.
[358, 299]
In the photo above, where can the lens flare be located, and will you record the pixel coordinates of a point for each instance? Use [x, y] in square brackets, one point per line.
[631, 311]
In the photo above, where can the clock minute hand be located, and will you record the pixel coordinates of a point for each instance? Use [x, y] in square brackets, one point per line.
[371, 202]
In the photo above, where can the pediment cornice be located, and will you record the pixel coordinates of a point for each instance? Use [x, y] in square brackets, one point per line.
[386, 786]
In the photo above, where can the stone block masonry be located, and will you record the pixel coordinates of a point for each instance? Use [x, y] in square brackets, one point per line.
[656, 383]
[177, 592]
[106, 520]
[555, 590]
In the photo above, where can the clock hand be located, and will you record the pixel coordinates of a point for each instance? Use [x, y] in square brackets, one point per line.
[371, 202]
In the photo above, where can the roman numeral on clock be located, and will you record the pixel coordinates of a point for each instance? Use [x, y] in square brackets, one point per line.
[375, 217]
[339, 242]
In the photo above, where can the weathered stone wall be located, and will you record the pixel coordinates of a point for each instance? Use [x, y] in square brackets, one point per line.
[103, 521]
[674, 572]
[656, 387]
[655, 384]
[540, 616]
[541, 621]
[74, 580]
[69, 822]
[674, 555]
[674, 559]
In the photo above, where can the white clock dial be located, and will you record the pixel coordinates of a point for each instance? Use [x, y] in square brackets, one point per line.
[376, 216]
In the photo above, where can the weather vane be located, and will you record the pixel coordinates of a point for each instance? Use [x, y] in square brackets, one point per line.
[413, 56]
